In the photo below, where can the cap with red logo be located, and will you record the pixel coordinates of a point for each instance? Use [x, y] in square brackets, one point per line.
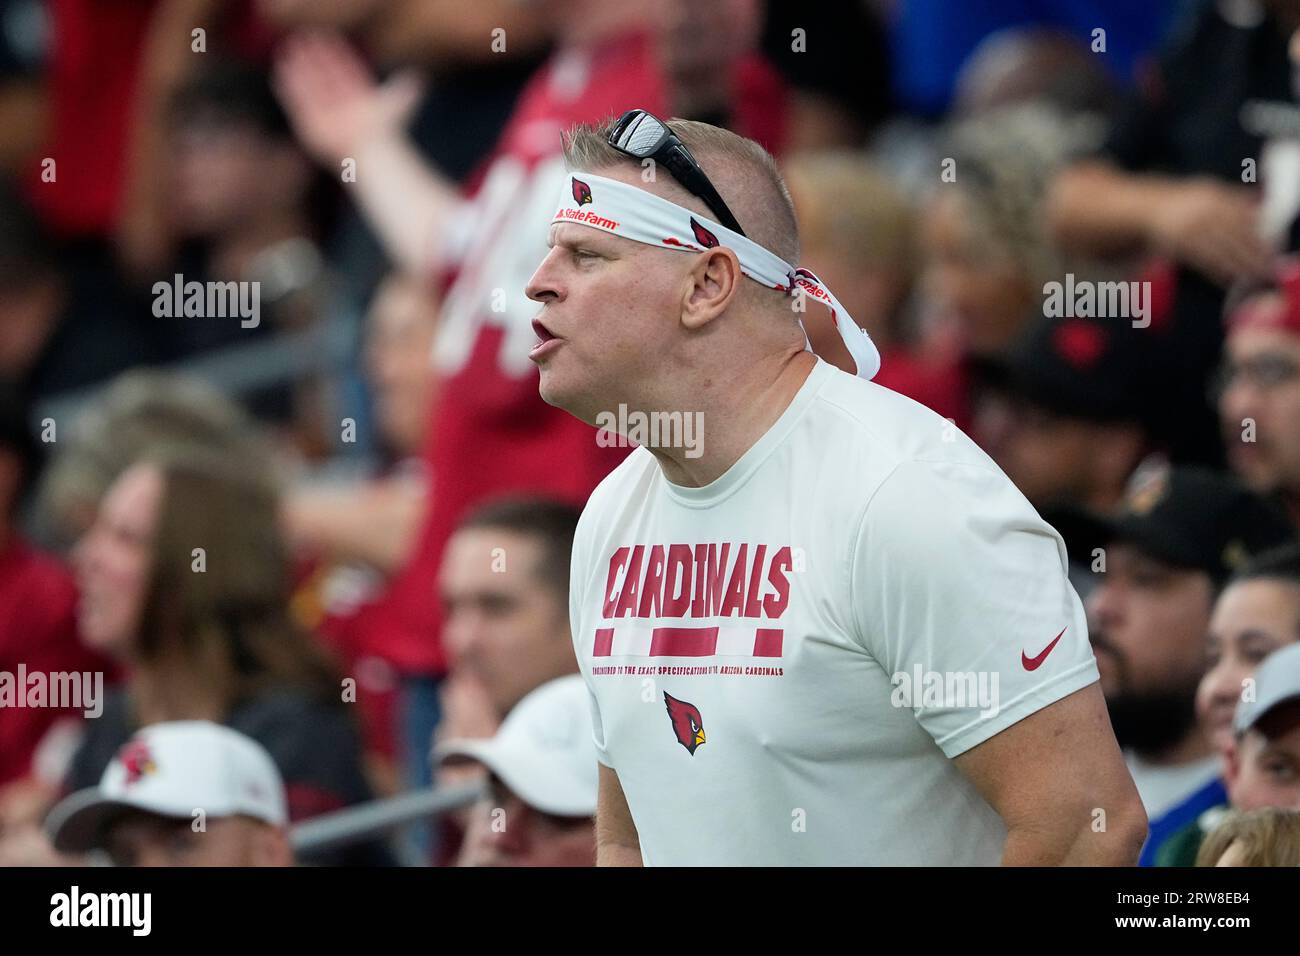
[1090, 368]
[173, 770]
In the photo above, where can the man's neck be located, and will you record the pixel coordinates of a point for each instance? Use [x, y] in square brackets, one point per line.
[736, 410]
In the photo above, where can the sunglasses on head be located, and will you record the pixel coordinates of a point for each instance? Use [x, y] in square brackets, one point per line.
[643, 135]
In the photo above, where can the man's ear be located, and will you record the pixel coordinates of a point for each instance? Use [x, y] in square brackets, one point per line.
[711, 285]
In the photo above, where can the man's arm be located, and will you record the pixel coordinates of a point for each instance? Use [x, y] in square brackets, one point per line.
[617, 843]
[339, 112]
[1096, 208]
[1059, 783]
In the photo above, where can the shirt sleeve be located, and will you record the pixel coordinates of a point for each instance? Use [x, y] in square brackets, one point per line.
[960, 592]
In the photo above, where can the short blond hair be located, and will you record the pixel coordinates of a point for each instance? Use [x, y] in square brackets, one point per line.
[744, 173]
[1268, 837]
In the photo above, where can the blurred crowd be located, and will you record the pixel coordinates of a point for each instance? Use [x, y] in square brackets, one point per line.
[325, 546]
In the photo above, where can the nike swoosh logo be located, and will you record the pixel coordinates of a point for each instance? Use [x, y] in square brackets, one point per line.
[1033, 663]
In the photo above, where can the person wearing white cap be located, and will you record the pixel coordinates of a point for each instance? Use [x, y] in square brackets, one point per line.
[185, 793]
[1263, 764]
[541, 798]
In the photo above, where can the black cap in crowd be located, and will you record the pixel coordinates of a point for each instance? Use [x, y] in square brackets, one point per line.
[1185, 516]
[1096, 369]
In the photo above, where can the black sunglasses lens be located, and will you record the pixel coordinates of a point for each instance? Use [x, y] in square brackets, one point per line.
[639, 134]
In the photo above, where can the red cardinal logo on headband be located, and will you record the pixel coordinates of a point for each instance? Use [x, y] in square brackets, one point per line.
[581, 192]
[705, 238]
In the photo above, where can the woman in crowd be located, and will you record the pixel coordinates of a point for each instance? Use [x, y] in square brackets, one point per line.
[184, 579]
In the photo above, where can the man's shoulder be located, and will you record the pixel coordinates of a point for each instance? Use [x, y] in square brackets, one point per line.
[880, 429]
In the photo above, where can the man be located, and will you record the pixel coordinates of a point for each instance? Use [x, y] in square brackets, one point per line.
[1158, 566]
[505, 586]
[739, 605]
[185, 793]
[542, 783]
[1259, 401]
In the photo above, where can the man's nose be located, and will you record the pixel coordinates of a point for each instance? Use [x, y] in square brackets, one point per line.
[1237, 403]
[1100, 605]
[542, 287]
[464, 632]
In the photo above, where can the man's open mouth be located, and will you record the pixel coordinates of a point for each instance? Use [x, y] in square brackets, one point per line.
[543, 333]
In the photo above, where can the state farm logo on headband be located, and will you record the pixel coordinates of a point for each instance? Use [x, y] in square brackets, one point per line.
[581, 192]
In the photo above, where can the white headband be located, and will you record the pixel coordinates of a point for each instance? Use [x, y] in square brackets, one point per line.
[642, 216]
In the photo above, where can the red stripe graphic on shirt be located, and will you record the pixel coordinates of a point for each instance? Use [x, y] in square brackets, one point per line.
[767, 641]
[684, 642]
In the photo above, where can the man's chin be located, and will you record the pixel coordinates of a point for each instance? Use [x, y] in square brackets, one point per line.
[552, 391]
[567, 396]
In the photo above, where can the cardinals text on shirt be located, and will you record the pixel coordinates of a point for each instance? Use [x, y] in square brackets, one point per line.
[700, 581]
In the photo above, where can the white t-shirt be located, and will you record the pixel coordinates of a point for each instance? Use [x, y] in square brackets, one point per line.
[741, 641]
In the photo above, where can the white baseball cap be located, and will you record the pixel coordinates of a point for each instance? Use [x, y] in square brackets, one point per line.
[1277, 681]
[543, 752]
[173, 769]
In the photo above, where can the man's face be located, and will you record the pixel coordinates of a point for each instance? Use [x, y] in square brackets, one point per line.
[611, 314]
[1263, 387]
[144, 839]
[505, 831]
[1251, 620]
[1149, 622]
[504, 625]
[1263, 767]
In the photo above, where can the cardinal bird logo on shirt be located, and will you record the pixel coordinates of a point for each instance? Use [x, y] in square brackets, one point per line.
[581, 192]
[705, 238]
[137, 760]
[688, 725]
